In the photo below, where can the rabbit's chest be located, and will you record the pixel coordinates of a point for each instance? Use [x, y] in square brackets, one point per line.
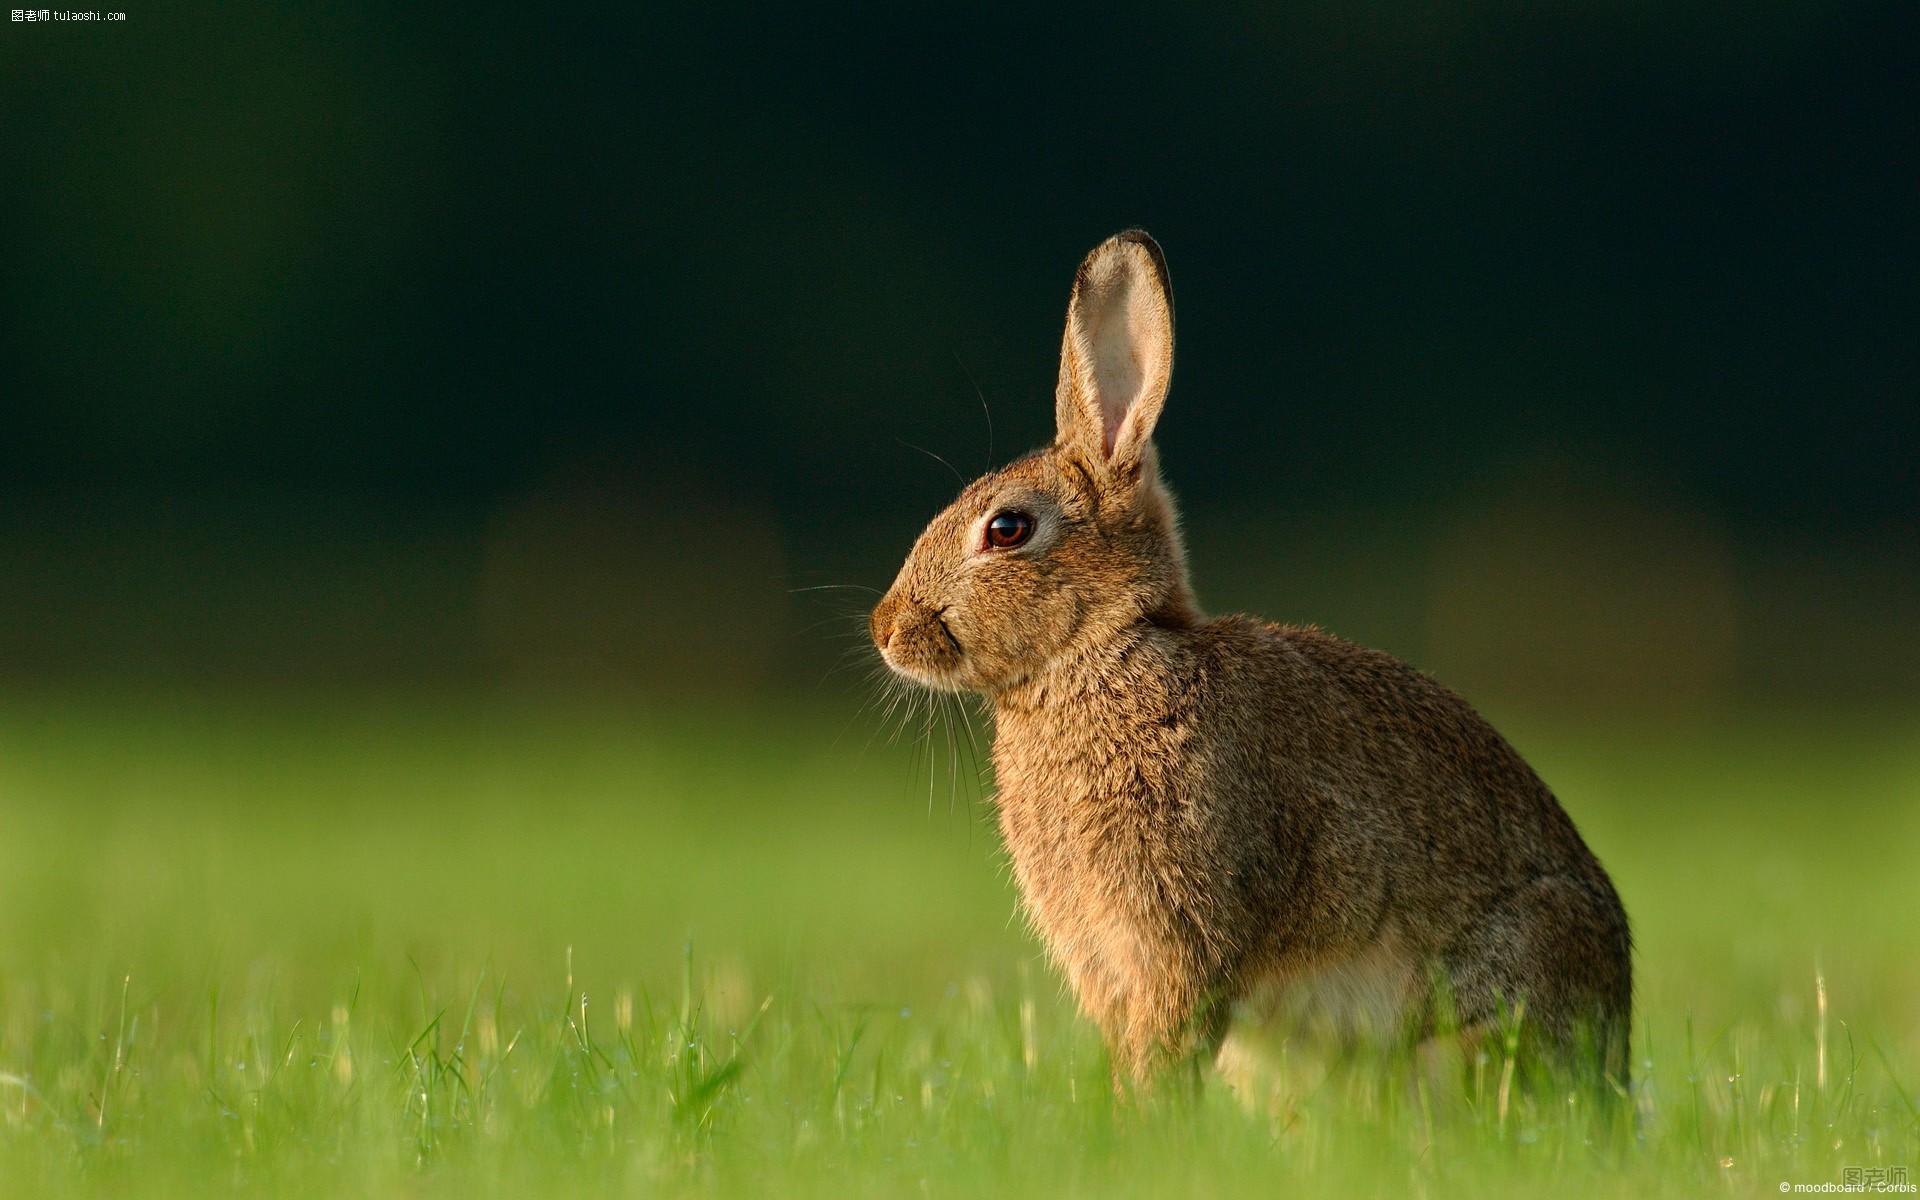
[1106, 879]
[1119, 867]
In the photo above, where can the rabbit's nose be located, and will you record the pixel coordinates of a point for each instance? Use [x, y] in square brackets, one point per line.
[885, 621]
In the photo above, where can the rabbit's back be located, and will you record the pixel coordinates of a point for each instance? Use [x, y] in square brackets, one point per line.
[1379, 794]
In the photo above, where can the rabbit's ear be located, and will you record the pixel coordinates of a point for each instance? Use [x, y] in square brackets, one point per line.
[1117, 357]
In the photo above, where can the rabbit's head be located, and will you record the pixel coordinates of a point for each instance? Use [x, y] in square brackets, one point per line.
[1066, 548]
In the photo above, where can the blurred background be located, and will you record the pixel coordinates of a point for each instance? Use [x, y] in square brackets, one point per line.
[1568, 351]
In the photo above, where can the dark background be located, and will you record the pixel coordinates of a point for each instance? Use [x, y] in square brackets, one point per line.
[1568, 350]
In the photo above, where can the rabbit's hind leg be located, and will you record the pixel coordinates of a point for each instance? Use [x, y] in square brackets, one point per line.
[1546, 965]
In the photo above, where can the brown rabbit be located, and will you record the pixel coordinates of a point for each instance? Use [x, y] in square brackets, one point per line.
[1203, 809]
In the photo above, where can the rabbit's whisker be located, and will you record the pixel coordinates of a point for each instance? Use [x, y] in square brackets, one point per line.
[983, 406]
[935, 457]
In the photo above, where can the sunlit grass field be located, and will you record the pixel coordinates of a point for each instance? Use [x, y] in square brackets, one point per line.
[375, 946]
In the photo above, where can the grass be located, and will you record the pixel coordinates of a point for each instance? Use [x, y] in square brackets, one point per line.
[373, 946]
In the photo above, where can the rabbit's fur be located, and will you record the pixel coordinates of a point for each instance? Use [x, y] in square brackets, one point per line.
[1201, 809]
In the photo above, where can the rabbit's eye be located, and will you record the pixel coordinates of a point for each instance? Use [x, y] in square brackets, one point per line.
[1008, 530]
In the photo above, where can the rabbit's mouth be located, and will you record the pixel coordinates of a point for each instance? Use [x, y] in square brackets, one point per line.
[940, 619]
[918, 644]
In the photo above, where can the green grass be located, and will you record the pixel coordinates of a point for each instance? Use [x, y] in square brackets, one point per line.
[373, 947]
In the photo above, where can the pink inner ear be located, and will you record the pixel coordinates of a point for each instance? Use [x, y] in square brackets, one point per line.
[1118, 352]
[1119, 386]
[1114, 332]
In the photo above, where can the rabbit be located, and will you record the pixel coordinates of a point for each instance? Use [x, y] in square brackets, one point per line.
[1200, 811]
